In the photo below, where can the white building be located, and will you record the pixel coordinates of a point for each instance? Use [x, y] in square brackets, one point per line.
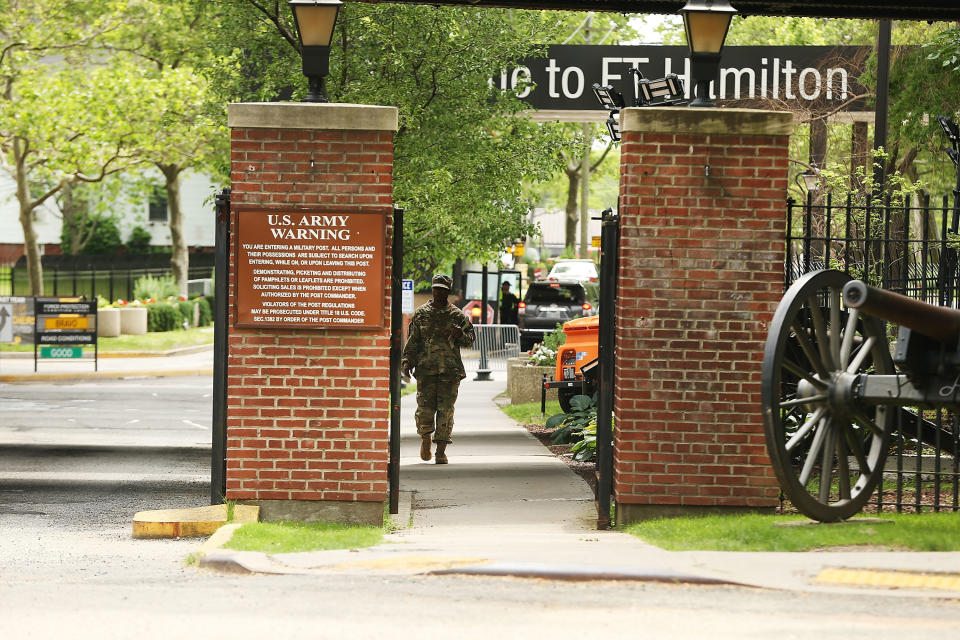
[196, 194]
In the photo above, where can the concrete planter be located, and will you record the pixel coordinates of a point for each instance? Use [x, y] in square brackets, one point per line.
[133, 321]
[524, 383]
[108, 322]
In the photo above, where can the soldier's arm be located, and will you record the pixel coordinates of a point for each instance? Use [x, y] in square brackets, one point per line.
[467, 330]
[411, 350]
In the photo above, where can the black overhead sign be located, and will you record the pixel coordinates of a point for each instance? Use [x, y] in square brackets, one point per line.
[815, 78]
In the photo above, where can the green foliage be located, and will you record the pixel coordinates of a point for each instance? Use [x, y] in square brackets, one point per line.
[290, 537]
[156, 288]
[205, 317]
[186, 310]
[755, 532]
[163, 316]
[104, 236]
[529, 412]
[545, 354]
[570, 426]
[138, 243]
[462, 150]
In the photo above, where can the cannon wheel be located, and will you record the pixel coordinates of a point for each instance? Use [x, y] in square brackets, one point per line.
[827, 450]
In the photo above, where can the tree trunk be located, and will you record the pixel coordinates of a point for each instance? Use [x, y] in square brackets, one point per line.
[74, 208]
[30, 247]
[572, 217]
[585, 193]
[180, 258]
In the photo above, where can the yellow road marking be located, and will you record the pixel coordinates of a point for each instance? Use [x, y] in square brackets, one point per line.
[901, 579]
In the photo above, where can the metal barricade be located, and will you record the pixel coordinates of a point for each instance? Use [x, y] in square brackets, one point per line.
[494, 345]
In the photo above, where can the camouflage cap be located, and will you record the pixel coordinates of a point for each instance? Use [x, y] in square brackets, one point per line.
[442, 281]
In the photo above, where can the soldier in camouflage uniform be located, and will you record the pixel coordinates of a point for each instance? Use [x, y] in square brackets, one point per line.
[437, 331]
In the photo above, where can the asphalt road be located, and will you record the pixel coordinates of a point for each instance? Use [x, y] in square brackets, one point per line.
[70, 568]
[147, 411]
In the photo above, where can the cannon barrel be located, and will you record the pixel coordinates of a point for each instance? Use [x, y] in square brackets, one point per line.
[939, 323]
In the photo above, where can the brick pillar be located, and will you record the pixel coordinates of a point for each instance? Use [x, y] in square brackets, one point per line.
[701, 271]
[308, 409]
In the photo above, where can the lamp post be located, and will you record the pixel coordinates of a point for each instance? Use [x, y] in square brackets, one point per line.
[706, 23]
[315, 20]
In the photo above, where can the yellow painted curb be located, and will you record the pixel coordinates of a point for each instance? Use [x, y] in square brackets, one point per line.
[409, 563]
[155, 373]
[198, 522]
[899, 579]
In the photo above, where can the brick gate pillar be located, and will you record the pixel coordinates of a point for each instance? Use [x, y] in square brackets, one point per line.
[308, 407]
[702, 212]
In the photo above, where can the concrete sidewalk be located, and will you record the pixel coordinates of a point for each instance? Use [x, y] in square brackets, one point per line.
[506, 506]
[191, 361]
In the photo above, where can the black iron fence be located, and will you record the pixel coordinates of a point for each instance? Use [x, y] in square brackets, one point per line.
[910, 248]
[112, 277]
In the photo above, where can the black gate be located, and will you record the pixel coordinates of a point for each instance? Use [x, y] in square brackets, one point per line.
[905, 248]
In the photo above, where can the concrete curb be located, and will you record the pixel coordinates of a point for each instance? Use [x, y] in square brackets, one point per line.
[50, 377]
[28, 355]
[585, 572]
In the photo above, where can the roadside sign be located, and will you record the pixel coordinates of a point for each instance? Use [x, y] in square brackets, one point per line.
[406, 296]
[18, 325]
[6, 322]
[67, 322]
[62, 326]
[61, 352]
[595, 242]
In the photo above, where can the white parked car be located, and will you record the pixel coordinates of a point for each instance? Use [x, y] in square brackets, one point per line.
[574, 269]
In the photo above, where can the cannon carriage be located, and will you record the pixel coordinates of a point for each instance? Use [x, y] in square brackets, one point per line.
[835, 391]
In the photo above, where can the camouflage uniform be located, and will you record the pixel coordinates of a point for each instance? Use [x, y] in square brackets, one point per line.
[435, 358]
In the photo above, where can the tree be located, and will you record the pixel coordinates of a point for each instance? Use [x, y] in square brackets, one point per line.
[603, 28]
[63, 119]
[462, 148]
[187, 131]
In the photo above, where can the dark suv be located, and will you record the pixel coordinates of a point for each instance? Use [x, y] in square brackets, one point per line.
[549, 303]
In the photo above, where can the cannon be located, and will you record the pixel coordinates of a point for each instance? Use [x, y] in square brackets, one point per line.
[834, 390]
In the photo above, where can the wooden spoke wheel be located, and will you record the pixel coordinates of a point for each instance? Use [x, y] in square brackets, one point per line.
[827, 448]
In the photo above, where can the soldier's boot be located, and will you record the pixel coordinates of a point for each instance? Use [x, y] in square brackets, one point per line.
[425, 448]
[441, 456]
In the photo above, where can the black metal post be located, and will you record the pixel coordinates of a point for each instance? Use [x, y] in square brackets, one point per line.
[396, 337]
[609, 241]
[483, 371]
[218, 462]
[880, 113]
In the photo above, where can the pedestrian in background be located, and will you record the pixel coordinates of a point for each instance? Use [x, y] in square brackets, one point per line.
[509, 305]
[438, 330]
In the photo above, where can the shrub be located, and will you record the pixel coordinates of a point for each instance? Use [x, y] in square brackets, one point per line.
[163, 316]
[139, 241]
[206, 313]
[186, 310]
[545, 355]
[157, 288]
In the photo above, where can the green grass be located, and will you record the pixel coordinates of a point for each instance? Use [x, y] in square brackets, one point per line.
[4, 281]
[755, 532]
[529, 412]
[410, 388]
[291, 537]
[154, 341]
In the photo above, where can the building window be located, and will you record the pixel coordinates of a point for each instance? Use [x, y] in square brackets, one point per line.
[158, 204]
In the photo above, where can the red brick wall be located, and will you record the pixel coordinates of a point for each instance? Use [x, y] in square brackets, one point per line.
[308, 410]
[701, 272]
